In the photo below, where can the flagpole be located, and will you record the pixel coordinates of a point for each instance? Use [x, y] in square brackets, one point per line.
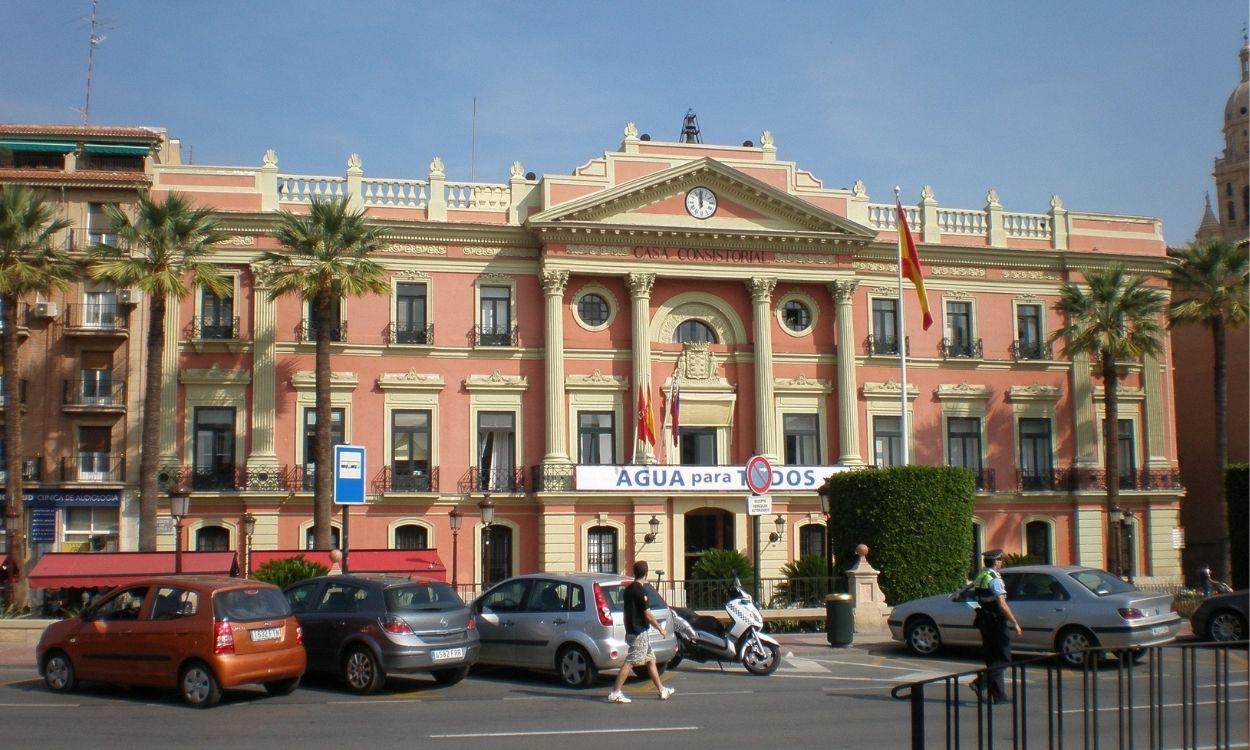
[902, 333]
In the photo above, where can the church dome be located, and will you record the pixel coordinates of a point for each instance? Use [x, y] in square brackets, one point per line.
[1239, 102]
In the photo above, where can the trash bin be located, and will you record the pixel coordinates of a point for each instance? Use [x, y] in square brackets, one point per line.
[840, 619]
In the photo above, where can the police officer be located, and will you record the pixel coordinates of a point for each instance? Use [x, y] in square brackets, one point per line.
[992, 620]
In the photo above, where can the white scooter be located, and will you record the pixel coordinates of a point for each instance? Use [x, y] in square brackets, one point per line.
[701, 638]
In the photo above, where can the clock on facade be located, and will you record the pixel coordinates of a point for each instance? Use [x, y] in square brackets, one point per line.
[701, 202]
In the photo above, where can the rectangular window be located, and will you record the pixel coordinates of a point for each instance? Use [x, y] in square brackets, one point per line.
[90, 529]
[601, 550]
[885, 326]
[496, 444]
[698, 446]
[959, 329]
[100, 231]
[802, 439]
[1029, 332]
[337, 326]
[887, 440]
[1127, 454]
[496, 316]
[410, 325]
[812, 540]
[596, 438]
[99, 308]
[310, 437]
[216, 316]
[94, 460]
[1036, 470]
[213, 467]
[410, 451]
[97, 378]
[963, 444]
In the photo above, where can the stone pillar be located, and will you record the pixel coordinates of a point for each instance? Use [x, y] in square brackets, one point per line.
[354, 175]
[553, 282]
[1084, 414]
[994, 220]
[263, 457]
[558, 535]
[761, 288]
[848, 405]
[870, 606]
[1058, 224]
[169, 391]
[640, 307]
[267, 182]
[1156, 440]
[436, 208]
[931, 232]
[519, 189]
[857, 205]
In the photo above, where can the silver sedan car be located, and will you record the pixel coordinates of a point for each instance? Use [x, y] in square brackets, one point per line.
[1060, 608]
[568, 623]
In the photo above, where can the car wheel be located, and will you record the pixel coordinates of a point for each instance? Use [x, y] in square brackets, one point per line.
[58, 673]
[672, 663]
[361, 671]
[198, 685]
[1072, 643]
[450, 676]
[762, 666]
[923, 637]
[282, 687]
[1226, 625]
[575, 667]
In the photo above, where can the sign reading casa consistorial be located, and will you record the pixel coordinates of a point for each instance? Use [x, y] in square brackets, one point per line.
[698, 478]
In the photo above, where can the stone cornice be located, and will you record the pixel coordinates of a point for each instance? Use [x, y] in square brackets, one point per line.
[498, 382]
[306, 380]
[1034, 392]
[215, 375]
[889, 390]
[962, 391]
[596, 381]
[801, 384]
[1124, 393]
[411, 381]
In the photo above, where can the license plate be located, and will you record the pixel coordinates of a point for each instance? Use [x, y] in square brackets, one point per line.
[1159, 630]
[266, 634]
[445, 654]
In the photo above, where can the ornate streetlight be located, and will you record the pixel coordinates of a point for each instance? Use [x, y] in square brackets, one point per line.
[456, 518]
[826, 509]
[249, 528]
[179, 506]
[487, 507]
[780, 533]
[654, 525]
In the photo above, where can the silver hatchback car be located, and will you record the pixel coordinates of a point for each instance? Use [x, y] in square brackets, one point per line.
[569, 623]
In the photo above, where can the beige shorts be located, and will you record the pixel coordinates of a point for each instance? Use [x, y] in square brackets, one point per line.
[639, 649]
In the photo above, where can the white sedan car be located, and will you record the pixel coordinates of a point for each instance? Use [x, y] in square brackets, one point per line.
[1060, 608]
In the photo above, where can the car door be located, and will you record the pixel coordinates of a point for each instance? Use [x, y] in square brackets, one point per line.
[1040, 604]
[172, 621]
[541, 623]
[496, 612]
[109, 649]
[303, 599]
[337, 611]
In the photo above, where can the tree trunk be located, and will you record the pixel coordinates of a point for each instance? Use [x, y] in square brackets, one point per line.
[323, 449]
[1111, 462]
[150, 430]
[1223, 563]
[15, 510]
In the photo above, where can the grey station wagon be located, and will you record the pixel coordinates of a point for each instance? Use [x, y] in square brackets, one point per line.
[363, 627]
[569, 623]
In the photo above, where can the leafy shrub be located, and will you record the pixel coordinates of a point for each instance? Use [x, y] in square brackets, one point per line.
[806, 583]
[711, 577]
[284, 571]
[1237, 490]
[916, 521]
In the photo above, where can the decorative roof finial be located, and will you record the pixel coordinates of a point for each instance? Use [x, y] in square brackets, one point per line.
[436, 166]
[353, 161]
[516, 171]
[631, 131]
[766, 138]
[271, 158]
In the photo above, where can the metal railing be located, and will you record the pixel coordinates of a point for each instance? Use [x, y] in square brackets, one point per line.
[307, 330]
[486, 336]
[1023, 351]
[32, 469]
[775, 593]
[552, 478]
[87, 393]
[388, 480]
[961, 349]
[410, 333]
[985, 480]
[94, 467]
[215, 329]
[1044, 480]
[21, 392]
[1175, 695]
[885, 345]
[501, 480]
[92, 317]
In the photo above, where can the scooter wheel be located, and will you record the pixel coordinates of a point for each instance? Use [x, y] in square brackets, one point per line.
[765, 666]
[672, 663]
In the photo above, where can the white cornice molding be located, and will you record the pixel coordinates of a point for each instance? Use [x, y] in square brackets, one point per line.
[1034, 392]
[497, 382]
[215, 375]
[802, 384]
[889, 390]
[1124, 393]
[963, 391]
[596, 381]
[306, 380]
[411, 381]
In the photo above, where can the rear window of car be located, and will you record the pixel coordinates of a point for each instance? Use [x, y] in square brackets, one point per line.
[422, 597]
[615, 593]
[247, 605]
[1102, 583]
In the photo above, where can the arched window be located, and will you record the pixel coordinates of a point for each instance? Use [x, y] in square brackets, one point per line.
[496, 554]
[212, 539]
[601, 550]
[694, 331]
[335, 538]
[1037, 542]
[812, 540]
[411, 536]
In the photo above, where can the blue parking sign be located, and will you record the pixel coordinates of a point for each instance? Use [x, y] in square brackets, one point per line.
[349, 475]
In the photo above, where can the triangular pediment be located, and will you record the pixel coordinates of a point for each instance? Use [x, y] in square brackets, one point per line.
[744, 204]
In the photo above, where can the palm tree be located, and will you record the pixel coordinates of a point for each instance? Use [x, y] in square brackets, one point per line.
[1215, 276]
[326, 258]
[163, 250]
[29, 264]
[1116, 321]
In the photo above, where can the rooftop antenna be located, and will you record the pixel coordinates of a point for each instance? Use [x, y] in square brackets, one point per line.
[690, 128]
[473, 143]
[93, 42]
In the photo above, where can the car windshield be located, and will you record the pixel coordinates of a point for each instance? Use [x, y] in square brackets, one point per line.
[1102, 583]
[244, 605]
[615, 593]
[422, 597]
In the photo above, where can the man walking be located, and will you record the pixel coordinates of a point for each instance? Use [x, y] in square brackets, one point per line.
[991, 619]
[638, 624]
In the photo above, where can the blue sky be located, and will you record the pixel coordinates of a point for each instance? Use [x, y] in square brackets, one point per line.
[1116, 106]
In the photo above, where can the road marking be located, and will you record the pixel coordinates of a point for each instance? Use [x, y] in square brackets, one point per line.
[796, 664]
[1146, 706]
[40, 705]
[866, 666]
[557, 732]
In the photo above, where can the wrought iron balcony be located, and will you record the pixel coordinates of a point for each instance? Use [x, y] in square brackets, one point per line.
[32, 469]
[1044, 480]
[215, 329]
[21, 392]
[552, 478]
[410, 333]
[983, 479]
[501, 480]
[406, 480]
[307, 331]
[1023, 351]
[94, 467]
[93, 395]
[217, 478]
[496, 336]
[881, 346]
[94, 319]
[961, 349]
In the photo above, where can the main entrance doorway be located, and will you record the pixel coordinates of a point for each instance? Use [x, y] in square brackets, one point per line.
[707, 528]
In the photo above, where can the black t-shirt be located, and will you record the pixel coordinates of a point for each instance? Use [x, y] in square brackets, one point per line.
[635, 606]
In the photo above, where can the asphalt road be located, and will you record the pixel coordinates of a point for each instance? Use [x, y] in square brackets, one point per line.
[820, 697]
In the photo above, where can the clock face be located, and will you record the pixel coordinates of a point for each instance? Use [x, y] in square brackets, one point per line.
[701, 202]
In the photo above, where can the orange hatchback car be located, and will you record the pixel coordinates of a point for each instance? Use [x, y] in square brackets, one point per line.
[200, 634]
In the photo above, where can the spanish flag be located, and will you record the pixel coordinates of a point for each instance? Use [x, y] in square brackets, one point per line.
[911, 262]
[645, 420]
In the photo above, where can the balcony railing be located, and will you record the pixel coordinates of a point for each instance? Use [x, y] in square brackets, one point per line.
[1023, 351]
[1044, 480]
[487, 336]
[215, 329]
[410, 333]
[985, 481]
[225, 480]
[885, 345]
[88, 394]
[1134, 479]
[307, 331]
[92, 317]
[551, 478]
[21, 392]
[961, 349]
[501, 480]
[388, 480]
[32, 469]
[94, 467]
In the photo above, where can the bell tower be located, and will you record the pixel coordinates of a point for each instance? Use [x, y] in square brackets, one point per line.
[1232, 168]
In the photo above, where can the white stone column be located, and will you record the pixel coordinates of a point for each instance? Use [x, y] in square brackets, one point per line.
[930, 231]
[994, 220]
[1156, 440]
[554, 282]
[264, 385]
[761, 288]
[169, 390]
[355, 175]
[1084, 413]
[640, 307]
[848, 405]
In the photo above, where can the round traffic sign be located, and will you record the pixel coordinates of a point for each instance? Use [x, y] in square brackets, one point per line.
[759, 475]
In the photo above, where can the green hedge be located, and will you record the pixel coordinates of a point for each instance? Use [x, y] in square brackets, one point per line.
[284, 571]
[1237, 490]
[916, 521]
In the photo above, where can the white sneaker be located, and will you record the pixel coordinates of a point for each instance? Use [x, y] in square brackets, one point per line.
[617, 696]
[667, 693]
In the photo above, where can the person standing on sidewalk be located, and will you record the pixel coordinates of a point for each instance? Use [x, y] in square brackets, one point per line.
[638, 624]
[991, 619]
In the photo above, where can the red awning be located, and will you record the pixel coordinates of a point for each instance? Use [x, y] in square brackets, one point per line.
[89, 569]
[423, 563]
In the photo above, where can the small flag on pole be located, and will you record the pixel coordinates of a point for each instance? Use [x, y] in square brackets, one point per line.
[645, 423]
[674, 404]
[911, 263]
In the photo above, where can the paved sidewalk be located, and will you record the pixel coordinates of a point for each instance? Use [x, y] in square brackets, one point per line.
[17, 656]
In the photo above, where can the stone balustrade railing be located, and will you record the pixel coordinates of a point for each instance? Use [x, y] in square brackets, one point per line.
[1031, 226]
[929, 222]
[381, 191]
[298, 188]
[962, 221]
[478, 195]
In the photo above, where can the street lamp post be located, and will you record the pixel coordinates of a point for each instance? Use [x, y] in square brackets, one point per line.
[179, 505]
[1114, 518]
[1128, 542]
[456, 519]
[487, 507]
[249, 528]
[826, 509]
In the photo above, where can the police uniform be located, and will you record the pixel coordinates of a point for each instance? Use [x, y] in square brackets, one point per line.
[995, 629]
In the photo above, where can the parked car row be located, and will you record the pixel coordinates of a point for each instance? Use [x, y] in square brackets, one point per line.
[203, 635]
